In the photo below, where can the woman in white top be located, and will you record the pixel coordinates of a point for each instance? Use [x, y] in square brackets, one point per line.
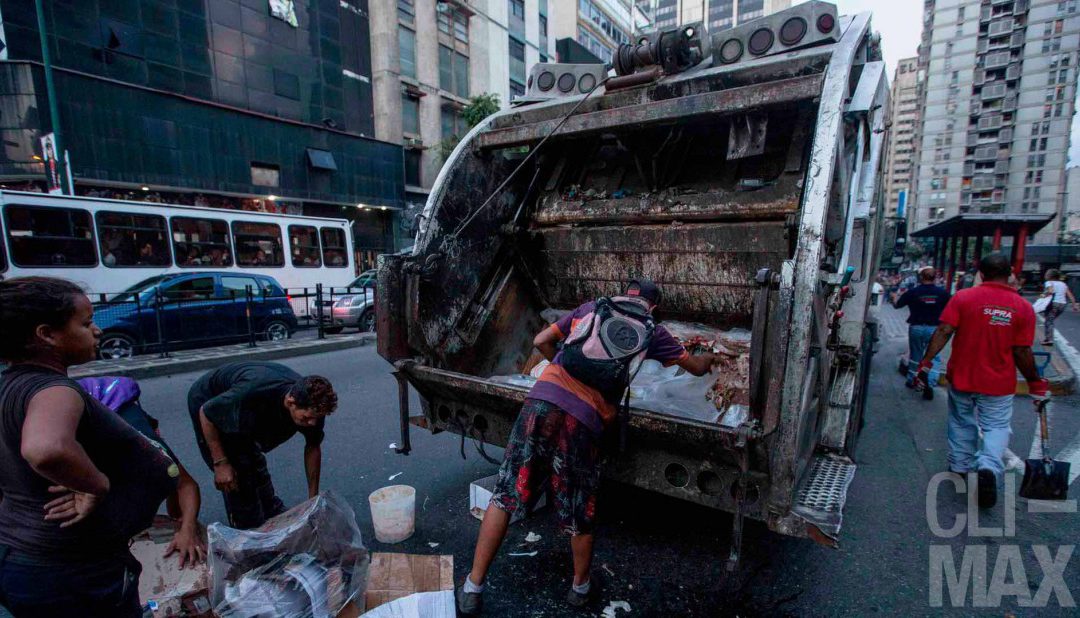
[1060, 295]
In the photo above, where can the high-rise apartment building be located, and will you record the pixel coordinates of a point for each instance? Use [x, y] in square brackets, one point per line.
[430, 56]
[997, 104]
[717, 14]
[598, 25]
[900, 151]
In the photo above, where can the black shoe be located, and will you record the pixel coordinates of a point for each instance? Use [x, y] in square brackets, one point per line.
[581, 600]
[468, 603]
[928, 393]
[987, 489]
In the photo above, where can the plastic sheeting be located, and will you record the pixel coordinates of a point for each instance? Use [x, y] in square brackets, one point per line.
[307, 562]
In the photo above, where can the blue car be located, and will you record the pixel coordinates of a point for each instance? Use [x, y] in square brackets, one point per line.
[188, 310]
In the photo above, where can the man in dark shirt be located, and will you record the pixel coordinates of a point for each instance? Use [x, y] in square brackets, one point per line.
[242, 410]
[925, 302]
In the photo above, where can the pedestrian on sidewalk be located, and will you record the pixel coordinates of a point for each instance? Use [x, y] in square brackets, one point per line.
[242, 410]
[556, 440]
[925, 302]
[994, 328]
[1060, 297]
[77, 481]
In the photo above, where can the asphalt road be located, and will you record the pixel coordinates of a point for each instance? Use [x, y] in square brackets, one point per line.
[663, 556]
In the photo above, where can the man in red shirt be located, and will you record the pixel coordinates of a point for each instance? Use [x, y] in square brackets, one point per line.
[994, 330]
[555, 443]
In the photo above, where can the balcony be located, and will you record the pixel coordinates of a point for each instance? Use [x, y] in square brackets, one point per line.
[972, 140]
[1013, 72]
[987, 123]
[999, 2]
[1009, 104]
[979, 77]
[1021, 7]
[982, 183]
[1005, 135]
[1001, 167]
[996, 59]
[986, 153]
[985, 14]
[1017, 39]
[997, 198]
[994, 90]
[969, 168]
[1000, 27]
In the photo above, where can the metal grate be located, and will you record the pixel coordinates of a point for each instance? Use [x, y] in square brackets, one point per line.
[822, 496]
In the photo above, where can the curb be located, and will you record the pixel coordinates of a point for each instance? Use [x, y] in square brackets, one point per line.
[160, 367]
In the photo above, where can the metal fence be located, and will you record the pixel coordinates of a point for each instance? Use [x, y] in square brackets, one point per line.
[154, 322]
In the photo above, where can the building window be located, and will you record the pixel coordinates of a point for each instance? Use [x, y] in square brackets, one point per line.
[410, 114]
[456, 23]
[406, 11]
[516, 90]
[263, 175]
[516, 11]
[50, 236]
[258, 244]
[304, 243]
[412, 167]
[133, 240]
[453, 71]
[453, 126]
[407, 51]
[200, 242]
[517, 60]
[543, 35]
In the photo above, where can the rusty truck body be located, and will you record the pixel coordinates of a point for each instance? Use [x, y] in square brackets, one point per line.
[746, 185]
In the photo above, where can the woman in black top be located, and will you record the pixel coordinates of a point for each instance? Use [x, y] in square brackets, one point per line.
[77, 481]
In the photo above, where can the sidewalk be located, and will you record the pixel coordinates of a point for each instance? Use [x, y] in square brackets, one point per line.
[1058, 371]
[152, 366]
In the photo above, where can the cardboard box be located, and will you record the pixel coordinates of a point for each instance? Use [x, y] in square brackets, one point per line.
[392, 576]
[480, 492]
[168, 590]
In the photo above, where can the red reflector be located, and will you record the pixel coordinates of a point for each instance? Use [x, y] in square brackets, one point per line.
[288, 298]
[826, 23]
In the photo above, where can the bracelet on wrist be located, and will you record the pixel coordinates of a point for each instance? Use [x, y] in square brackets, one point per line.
[218, 462]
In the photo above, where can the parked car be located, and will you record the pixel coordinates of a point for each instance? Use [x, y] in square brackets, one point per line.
[196, 309]
[353, 306]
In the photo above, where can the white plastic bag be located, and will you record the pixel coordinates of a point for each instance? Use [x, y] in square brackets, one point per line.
[1041, 304]
[308, 562]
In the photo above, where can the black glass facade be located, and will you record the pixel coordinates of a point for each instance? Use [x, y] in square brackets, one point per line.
[192, 93]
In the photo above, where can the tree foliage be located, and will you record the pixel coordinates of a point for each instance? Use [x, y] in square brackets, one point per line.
[479, 107]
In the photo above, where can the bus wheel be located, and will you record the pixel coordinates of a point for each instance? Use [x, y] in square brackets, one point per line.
[277, 331]
[115, 346]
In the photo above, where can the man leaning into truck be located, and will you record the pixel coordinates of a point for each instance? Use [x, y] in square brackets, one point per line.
[555, 443]
[994, 330]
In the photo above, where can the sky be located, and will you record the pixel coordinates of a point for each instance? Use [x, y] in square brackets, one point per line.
[900, 25]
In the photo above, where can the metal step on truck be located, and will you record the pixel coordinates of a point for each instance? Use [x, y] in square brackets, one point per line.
[741, 172]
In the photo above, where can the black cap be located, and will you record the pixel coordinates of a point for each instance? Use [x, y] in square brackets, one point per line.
[645, 289]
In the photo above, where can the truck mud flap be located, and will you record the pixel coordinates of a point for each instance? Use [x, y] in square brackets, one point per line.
[822, 495]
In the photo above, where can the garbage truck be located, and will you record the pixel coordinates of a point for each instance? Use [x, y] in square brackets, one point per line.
[738, 170]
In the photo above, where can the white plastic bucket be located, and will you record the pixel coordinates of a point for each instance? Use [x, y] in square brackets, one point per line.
[393, 512]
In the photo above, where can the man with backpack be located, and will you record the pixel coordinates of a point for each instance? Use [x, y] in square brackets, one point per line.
[556, 440]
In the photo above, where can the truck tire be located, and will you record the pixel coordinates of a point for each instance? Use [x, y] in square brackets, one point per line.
[858, 420]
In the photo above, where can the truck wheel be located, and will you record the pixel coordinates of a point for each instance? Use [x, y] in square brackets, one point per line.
[858, 419]
[115, 346]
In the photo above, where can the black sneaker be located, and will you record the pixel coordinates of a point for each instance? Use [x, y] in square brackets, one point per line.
[468, 603]
[928, 392]
[581, 600]
[987, 489]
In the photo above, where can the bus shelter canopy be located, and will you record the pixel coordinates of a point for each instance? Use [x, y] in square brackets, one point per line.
[984, 225]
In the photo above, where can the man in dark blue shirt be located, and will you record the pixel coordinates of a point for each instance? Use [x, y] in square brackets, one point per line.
[925, 302]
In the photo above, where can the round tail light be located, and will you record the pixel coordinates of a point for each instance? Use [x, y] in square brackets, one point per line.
[793, 31]
[586, 83]
[826, 22]
[760, 41]
[545, 80]
[731, 51]
[566, 82]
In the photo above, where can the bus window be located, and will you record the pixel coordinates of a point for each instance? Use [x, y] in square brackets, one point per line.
[55, 237]
[304, 240]
[128, 239]
[335, 254]
[258, 244]
[201, 242]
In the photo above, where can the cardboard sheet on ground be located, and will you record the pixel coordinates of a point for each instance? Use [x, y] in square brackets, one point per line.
[163, 584]
[393, 576]
[419, 605]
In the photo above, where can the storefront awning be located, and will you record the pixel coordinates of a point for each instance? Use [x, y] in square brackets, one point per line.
[984, 225]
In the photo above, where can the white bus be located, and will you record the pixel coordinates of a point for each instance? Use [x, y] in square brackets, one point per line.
[107, 246]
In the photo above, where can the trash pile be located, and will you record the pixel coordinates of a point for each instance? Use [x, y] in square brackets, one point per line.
[722, 396]
[308, 562]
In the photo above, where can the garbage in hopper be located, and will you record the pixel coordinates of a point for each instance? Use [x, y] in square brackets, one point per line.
[721, 396]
